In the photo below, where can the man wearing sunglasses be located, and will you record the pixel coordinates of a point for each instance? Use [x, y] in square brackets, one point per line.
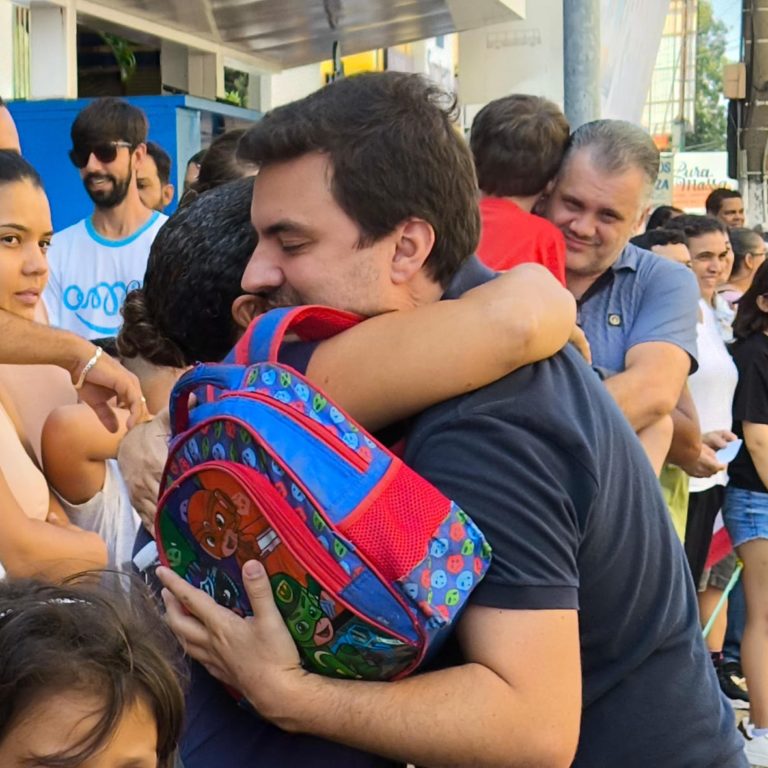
[95, 262]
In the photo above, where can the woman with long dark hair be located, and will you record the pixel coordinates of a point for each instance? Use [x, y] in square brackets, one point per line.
[745, 510]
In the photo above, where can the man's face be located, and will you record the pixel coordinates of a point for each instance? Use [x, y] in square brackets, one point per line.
[732, 212]
[674, 252]
[153, 193]
[308, 247]
[596, 211]
[107, 184]
[9, 137]
[709, 259]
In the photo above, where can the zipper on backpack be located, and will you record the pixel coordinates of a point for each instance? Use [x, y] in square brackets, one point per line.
[318, 430]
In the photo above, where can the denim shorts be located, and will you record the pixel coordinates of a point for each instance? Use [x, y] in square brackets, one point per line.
[745, 514]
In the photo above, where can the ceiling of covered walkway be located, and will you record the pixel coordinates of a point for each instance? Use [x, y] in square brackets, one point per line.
[290, 33]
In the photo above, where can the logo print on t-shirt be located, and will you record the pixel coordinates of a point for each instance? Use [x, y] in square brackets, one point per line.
[102, 296]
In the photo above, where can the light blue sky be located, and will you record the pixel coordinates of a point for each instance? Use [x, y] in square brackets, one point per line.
[729, 11]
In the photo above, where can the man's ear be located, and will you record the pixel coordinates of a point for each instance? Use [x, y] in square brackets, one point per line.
[167, 194]
[245, 308]
[414, 239]
[762, 304]
[640, 223]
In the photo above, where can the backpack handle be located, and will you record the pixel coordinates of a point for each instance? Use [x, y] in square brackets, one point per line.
[261, 342]
[219, 376]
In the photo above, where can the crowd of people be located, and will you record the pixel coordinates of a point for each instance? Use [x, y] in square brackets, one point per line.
[588, 381]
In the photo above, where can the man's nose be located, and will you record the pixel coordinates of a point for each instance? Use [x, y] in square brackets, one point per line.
[583, 226]
[262, 273]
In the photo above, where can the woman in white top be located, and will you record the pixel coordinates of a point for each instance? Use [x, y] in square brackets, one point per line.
[36, 537]
[712, 386]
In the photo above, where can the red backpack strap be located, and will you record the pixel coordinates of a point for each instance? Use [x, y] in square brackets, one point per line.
[261, 342]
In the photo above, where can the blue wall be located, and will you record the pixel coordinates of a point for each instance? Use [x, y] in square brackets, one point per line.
[44, 132]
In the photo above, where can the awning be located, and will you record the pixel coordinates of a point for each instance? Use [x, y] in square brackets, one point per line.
[290, 33]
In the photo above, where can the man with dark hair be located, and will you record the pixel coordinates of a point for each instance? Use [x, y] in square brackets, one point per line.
[153, 178]
[9, 136]
[518, 143]
[638, 312]
[365, 200]
[670, 243]
[95, 262]
[726, 205]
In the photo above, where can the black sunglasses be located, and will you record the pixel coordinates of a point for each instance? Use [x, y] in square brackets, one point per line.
[104, 153]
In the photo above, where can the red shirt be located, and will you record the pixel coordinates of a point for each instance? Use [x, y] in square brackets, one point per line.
[511, 236]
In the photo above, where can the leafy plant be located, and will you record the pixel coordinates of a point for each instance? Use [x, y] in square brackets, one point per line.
[123, 53]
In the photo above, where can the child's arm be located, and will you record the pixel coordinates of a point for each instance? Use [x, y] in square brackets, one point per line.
[395, 365]
[41, 549]
[74, 446]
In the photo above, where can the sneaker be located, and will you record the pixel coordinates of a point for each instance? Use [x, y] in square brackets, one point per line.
[733, 685]
[755, 747]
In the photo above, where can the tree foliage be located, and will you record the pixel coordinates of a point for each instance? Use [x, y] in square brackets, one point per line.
[709, 106]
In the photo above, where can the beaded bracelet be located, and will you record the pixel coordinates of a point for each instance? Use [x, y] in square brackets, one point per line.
[88, 367]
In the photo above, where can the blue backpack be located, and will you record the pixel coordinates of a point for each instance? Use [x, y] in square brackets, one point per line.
[369, 563]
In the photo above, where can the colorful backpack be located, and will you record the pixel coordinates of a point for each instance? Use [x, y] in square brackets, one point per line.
[369, 563]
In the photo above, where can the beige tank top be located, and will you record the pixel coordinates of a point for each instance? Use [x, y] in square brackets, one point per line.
[25, 480]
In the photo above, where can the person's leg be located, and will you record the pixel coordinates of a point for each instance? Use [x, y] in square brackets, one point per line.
[754, 646]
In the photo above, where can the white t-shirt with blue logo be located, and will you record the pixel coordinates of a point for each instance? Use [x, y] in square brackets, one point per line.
[90, 276]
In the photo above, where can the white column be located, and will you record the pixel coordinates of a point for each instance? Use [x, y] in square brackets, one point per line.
[6, 49]
[53, 50]
[206, 74]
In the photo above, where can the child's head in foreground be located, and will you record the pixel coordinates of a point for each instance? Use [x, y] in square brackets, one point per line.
[87, 679]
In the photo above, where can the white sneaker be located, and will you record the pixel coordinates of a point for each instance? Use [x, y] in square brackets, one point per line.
[755, 747]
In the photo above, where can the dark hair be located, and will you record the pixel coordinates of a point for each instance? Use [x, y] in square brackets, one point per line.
[395, 153]
[743, 241]
[662, 215]
[109, 119]
[517, 143]
[694, 225]
[13, 167]
[714, 201]
[615, 146]
[659, 236]
[85, 637]
[749, 317]
[218, 166]
[197, 158]
[183, 314]
[162, 161]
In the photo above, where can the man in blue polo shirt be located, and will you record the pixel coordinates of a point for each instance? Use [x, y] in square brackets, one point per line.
[581, 646]
[638, 311]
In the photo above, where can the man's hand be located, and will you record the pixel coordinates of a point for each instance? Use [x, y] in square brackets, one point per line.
[142, 455]
[256, 655]
[106, 380]
[706, 465]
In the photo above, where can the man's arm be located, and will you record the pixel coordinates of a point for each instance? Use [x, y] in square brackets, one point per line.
[660, 346]
[496, 709]
[515, 702]
[686, 437]
[23, 342]
[650, 385]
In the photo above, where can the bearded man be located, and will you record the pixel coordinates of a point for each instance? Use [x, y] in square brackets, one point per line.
[95, 262]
